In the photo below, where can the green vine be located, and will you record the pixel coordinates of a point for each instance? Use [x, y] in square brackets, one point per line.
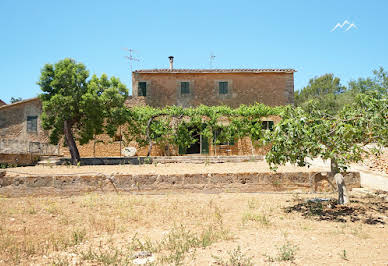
[179, 126]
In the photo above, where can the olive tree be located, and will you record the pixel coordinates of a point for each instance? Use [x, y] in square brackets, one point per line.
[78, 108]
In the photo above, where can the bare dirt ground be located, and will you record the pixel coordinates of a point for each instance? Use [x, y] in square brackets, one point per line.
[170, 168]
[193, 229]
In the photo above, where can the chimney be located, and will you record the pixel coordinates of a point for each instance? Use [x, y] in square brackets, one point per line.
[171, 58]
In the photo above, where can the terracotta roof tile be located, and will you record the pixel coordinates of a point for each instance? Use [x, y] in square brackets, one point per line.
[235, 70]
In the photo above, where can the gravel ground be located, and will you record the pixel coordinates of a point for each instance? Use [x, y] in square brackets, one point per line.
[170, 168]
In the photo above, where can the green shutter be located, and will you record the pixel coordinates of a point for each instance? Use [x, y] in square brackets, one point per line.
[142, 89]
[185, 87]
[223, 87]
[32, 124]
[204, 145]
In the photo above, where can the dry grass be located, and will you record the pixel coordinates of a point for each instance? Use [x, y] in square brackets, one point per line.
[189, 229]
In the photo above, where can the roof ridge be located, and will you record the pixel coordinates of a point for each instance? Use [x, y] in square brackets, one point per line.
[217, 70]
[18, 102]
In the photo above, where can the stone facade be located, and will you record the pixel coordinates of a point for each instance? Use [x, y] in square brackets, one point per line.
[272, 87]
[163, 87]
[21, 130]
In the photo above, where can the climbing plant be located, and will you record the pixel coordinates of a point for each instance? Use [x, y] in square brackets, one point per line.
[179, 126]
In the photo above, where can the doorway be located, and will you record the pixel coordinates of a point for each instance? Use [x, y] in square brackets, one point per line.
[201, 145]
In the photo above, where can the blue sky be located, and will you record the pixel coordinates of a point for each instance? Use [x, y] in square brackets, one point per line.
[242, 34]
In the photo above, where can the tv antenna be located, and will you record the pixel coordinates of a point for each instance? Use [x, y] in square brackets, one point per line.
[131, 58]
[211, 59]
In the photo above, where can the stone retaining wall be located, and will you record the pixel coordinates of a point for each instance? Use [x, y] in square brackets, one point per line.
[18, 159]
[234, 182]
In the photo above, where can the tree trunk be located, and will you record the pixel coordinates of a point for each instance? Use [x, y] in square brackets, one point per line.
[343, 196]
[75, 158]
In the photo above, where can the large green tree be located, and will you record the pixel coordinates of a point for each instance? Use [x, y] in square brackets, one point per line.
[78, 108]
[377, 83]
[324, 91]
[340, 138]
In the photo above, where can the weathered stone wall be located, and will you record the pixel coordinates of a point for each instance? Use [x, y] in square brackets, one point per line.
[244, 88]
[18, 159]
[14, 137]
[234, 182]
[104, 146]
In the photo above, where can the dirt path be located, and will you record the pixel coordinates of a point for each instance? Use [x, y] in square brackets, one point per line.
[162, 169]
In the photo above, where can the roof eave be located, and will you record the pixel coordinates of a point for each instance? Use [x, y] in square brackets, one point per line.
[19, 102]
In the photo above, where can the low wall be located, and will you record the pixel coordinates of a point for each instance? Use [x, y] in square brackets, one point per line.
[136, 160]
[16, 146]
[234, 182]
[18, 159]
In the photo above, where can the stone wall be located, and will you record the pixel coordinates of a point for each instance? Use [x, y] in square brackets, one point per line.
[14, 137]
[234, 182]
[18, 159]
[244, 88]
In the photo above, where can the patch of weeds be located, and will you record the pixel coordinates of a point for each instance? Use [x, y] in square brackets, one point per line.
[179, 242]
[236, 258]
[78, 236]
[31, 210]
[147, 160]
[252, 204]
[137, 244]
[343, 255]
[258, 218]
[109, 256]
[53, 209]
[286, 252]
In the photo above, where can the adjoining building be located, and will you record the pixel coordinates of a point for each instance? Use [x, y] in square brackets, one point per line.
[21, 132]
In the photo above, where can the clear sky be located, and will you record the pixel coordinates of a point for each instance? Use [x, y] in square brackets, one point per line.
[241, 34]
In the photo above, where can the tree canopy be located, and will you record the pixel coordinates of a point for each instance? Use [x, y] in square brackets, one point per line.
[327, 94]
[16, 99]
[77, 107]
[340, 138]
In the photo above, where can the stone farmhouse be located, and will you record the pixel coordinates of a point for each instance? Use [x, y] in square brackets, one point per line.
[21, 131]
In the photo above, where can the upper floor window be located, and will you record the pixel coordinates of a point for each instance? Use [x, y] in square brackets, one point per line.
[142, 88]
[223, 87]
[32, 124]
[185, 87]
[267, 125]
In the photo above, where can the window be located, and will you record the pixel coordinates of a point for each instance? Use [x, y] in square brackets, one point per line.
[142, 89]
[185, 87]
[32, 124]
[267, 125]
[223, 87]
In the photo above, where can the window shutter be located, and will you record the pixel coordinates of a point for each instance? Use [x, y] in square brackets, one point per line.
[185, 87]
[223, 87]
[142, 88]
[32, 124]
